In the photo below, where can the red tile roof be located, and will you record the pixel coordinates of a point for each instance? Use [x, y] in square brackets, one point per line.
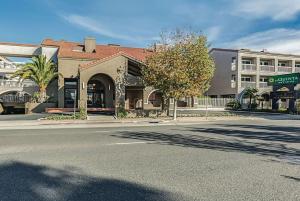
[72, 50]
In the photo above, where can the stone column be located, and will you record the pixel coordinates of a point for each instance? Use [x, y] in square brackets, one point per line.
[293, 66]
[120, 89]
[276, 65]
[257, 72]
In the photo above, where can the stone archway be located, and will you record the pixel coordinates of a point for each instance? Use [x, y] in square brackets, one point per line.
[100, 91]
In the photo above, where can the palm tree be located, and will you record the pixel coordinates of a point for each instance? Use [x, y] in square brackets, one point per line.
[41, 71]
[251, 93]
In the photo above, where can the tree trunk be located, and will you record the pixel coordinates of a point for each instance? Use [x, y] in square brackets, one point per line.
[175, 110]
[168, 107]
[43, 95]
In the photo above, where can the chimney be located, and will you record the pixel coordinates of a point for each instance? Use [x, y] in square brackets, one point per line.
[90, 45]
[159, 47]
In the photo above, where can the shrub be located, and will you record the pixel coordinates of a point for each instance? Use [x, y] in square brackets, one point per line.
[234, 105]
[122, 113]
[253, 106]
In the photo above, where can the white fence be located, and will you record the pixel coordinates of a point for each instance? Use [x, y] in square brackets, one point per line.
[213, 102]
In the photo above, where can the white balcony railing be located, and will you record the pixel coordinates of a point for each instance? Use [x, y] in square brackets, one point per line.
[233, 66]
[9, 66]
[249, 67]
[233, 84]
[248, 84]
[285, 69]
[263, 85]
[267, 69]
[16, 83]
[297, 70]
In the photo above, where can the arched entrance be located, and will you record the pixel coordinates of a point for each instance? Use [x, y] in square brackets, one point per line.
[100, 92]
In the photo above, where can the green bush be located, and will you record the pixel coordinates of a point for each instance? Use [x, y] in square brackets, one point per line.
[121, 112]
[253, 106]
[234, 105]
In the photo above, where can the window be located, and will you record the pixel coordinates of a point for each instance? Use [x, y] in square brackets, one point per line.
[246, 62]
[233, 78]
[71, 92]
[246, 79]
[264, 63]
[282, 64]
[297, 65]
[263, 79]
[233, 61]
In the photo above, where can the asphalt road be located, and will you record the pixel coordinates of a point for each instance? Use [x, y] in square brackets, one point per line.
[237, 160]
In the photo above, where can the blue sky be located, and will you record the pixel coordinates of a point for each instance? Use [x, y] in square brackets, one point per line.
[255, 24]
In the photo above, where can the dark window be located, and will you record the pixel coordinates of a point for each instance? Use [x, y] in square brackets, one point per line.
[71, 92]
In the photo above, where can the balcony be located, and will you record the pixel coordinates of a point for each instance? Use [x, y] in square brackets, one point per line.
[16, 84]
[285, 69]
[267, 69]
[248, 84]
[263, 85]
[233, 84]
[249, 67]
[8, 67]
[297, 70]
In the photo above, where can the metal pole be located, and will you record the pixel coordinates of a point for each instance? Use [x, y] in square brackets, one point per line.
[206, 106]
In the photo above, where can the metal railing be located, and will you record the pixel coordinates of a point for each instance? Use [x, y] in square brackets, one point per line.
[12, 66]
[248, 84]
[15, 99]
[248, 67]
[284, 69]
[214, 102]
[268, 69]
[263, 85]
[16, 83]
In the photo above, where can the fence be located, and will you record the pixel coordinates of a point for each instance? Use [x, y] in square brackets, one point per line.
[14, 99]
[214, 102]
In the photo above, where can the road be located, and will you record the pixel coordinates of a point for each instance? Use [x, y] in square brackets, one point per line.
[226, 160]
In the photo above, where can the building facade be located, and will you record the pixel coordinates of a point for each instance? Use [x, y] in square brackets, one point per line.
[238, 69]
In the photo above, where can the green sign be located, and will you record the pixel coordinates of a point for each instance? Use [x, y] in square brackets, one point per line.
[287, 79]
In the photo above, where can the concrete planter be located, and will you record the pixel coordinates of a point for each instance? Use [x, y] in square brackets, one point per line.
[38, 107]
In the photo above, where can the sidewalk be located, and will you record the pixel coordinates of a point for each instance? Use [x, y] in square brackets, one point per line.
[137, 122]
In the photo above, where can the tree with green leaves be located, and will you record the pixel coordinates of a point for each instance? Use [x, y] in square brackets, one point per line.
[182, 67]
[250, 93]
[41, 71]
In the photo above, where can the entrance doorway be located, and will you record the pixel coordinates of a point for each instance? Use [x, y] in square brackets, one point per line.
[95, 94]
[100, 93]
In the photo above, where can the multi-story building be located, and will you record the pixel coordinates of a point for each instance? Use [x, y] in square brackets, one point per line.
[239, 69]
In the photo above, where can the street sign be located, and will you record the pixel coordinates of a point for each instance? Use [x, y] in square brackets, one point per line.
[288, 79]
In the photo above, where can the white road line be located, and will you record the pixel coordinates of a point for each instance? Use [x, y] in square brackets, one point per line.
[127, 143]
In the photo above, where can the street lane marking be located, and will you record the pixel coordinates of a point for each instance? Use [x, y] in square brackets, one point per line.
[127, 143]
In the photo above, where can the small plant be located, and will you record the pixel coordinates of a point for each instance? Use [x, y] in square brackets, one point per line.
[253, 106]
[234, 105]
[121, 112]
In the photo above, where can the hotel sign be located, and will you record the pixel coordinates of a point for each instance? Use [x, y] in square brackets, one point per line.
[288, 79]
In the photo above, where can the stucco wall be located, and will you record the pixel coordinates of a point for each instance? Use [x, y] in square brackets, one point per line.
[221, 82]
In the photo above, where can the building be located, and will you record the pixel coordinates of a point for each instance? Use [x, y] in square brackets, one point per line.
[239, 69]
[96, 77]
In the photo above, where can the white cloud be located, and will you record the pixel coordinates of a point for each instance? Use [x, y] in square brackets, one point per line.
[274, 40]
[278, 10]
[94, 26]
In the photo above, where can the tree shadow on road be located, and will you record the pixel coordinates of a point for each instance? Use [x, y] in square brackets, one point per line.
[22, 181]
[266, 133]
[204, 139]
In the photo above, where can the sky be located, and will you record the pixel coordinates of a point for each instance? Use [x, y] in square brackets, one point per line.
[257, 24]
